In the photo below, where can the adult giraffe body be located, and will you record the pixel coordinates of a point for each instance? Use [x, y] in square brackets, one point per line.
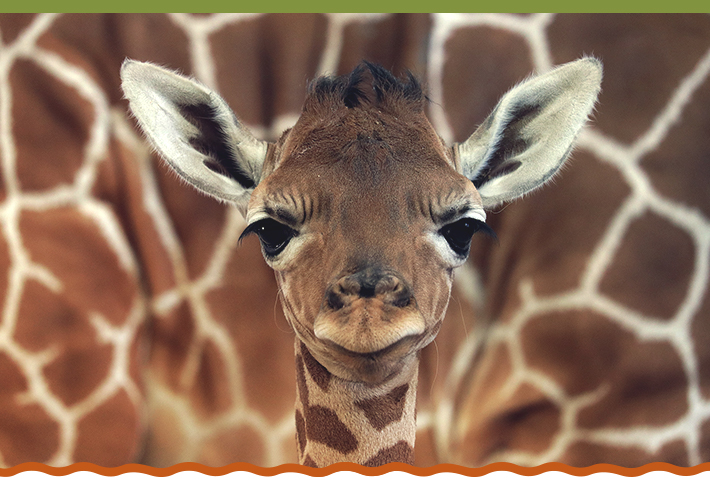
[363, 213]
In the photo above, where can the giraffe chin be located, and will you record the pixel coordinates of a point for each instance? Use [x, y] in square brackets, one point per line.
[357, 355]
[371, 368]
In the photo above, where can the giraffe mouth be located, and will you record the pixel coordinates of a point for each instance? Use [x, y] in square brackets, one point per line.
[369, 327]
[369, 339]
[373, 367]
[403, 344]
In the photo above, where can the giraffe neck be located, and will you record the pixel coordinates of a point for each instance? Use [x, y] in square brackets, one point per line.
[344, 421]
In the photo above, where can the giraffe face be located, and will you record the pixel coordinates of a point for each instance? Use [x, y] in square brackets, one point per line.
[364, 234]
[360, 208]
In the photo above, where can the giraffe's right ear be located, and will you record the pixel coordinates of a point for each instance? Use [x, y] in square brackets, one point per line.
[529, 135]
[195, 131]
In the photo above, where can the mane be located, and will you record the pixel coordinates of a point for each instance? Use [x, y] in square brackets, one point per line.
[367, 85]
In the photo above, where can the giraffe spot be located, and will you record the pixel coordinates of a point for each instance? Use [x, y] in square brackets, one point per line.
[583, 352]
[385, 409]
[300, 431]
[301, 385]
[318, 373]
[290, 56]
[210, 393]
[553, 249]
[705, 440]
[645, 58]
[395, 41]
[577, 349]
[652, 268]
[120, 182]
[700, 334]
[51, 320]
[104, 41]
[27, 433]
[74, 248]
[109, 435]
[51, 123]
[324, 426]
[587, 453]
[401, 452]
[678, 168]
[475, 79]
[309, 462]
[198, 221]
[246, 305]
[12, 24]
[241, 445]
[479, 401]
[171, 336]
[675, 453]
[13, 381]
[525, 421]
[78, 371]
[425, 451]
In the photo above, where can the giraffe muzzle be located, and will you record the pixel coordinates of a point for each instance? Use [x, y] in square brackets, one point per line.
[367, 312]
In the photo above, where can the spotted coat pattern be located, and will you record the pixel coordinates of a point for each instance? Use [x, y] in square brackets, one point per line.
[133, 328]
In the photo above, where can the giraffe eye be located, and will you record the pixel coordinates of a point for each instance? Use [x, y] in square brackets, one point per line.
[274, 236]
[458, 234]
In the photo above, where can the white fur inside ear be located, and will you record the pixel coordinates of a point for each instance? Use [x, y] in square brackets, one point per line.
[156, 97]
[531, 132]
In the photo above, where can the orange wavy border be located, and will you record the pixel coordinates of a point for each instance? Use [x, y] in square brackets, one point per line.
[294, 468]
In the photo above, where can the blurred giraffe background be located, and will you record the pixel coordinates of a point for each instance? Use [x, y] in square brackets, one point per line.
[134, 329]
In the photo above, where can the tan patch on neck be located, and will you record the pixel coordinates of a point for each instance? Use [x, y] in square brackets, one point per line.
[318, 423]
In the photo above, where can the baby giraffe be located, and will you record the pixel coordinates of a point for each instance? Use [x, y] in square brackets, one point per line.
[363, 212]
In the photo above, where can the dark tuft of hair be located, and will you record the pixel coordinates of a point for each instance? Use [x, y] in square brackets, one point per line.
[353, 90]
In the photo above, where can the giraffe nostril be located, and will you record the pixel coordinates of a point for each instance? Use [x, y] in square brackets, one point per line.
[401, 295]
[335, 299]
[369, 284]
[402, 300]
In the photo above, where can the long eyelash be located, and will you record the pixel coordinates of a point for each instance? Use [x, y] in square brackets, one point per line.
[250, 229]
[487, 230]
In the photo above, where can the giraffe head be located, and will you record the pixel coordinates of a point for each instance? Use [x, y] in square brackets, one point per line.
[362, 210]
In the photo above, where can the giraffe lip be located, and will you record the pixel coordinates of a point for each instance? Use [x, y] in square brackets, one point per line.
[374, 355]
[368, 344]
[370, 329]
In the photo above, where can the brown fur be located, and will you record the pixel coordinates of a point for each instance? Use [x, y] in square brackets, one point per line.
[237, 405]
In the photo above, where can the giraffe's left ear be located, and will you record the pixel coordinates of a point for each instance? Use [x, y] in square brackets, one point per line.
[529, 135]
[195, 131]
